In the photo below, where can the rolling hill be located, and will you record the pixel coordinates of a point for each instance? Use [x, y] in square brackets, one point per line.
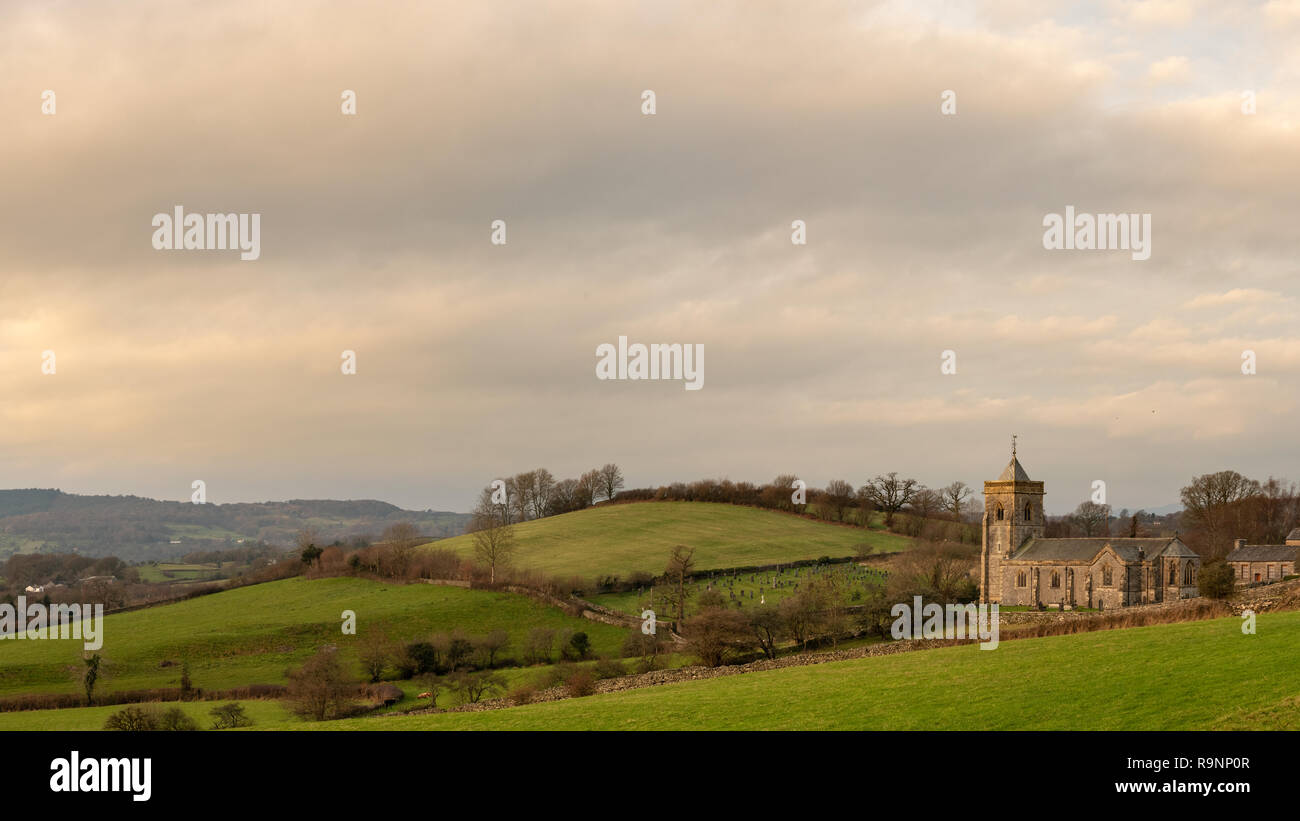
[251, 635]
[137, 529]
[638, 536]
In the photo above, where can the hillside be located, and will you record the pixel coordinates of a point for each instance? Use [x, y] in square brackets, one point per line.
[1208, 676]
[138, 529]
[638, 536]
[251, 635]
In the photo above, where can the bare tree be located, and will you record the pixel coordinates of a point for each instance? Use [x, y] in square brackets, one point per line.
[611, 480]
[680, 565]
[1091, 518]
[891, 494]
[839, 497]
[954, 498]
[494, 536]
[543, 487]
[320, 689]
[1208, 500]
[588, 487]
[402, 540]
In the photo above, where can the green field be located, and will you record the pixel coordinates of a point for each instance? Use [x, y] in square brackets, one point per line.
[251, 635]
[622, 539]
[1198, 675]
[849, 583]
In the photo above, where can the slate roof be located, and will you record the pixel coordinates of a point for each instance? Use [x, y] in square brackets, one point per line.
[1264, 553]
[1015, 473]
[1293, 536]
[1086, 549]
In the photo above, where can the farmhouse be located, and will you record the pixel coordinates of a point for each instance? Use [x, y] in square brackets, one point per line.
[1252, 563]
[1018, 566]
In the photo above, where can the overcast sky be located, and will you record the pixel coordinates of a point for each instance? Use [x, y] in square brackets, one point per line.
[924, 234]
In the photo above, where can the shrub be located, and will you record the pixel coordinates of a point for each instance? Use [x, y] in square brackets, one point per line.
[321, 689]
[1216, 580]
[581, 683]
[610, 668]
[578, 647]
[472, 687]
[522, 694]
[229, 715]
[176, 719]
[132, 719]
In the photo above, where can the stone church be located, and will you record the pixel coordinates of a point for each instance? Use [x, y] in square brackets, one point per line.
[1018, 566]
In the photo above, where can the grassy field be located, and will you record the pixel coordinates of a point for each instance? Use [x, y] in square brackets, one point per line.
[251, 635]
[179, 572]
[1200, 675]
[850, 582]
[622, 539]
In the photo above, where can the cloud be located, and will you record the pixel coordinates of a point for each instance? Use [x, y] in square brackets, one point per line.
[476, 360]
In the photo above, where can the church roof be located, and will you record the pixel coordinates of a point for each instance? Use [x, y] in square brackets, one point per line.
[1294, 535]
[1015, 473]
[1264, 553]
[1086, 549]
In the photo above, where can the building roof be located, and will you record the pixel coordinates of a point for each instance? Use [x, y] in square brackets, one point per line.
[1086, 549]
[1015, 473]
[1264, 553]
[1294, 535]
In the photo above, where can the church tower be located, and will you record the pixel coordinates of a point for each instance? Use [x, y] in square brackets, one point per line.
[1013, 514]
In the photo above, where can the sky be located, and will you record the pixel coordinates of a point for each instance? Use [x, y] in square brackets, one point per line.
[475, 360]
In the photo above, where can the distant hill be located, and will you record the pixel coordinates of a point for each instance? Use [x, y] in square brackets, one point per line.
[638, 536]
[137, 529]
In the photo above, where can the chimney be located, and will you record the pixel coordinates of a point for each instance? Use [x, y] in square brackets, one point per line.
[1238, 544]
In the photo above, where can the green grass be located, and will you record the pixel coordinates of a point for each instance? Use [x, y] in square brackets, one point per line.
[270, 714]
[1199, 675]
[752, 589]
[627, 538]
[252, 634]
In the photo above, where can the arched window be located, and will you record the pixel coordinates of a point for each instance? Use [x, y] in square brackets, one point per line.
[1000, 512]
[1106, 578]
[1056, 578]
[1029, 512]
[1173, 574]
[1020, 579]
[1187, 574]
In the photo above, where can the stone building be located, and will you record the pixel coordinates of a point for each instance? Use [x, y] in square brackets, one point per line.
[1253, 563]
[1018, 566]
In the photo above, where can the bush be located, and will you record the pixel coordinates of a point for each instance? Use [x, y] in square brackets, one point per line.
[321, 689]
[132, 719]
[581, 683]
[522, 694]
[610, 668]
[176, 719]
[1216, 580]
[229, 715]
[472, 687]
[578, 647]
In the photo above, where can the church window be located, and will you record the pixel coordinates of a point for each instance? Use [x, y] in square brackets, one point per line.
[1173, 574]
[1187, 574]
[1056, 579]
[1029, 513]
[1020, 579]
[999, 513]
[1106, 578]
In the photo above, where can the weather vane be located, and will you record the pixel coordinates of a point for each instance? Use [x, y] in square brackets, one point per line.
[1013, 447]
